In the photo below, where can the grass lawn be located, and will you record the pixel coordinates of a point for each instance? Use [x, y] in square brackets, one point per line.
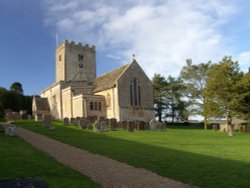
[194, 156]
[19, 160]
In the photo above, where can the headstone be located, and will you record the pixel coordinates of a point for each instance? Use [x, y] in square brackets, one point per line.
[10, 130]
[113, 124]
[47, 121]
[152, 124]
[96, 126]
[140, 125]
[78, 120]
[155, 125]
[104, 126]
[160, 126]
[124, 125]
[66, 121]
[131, 126]
[83, 123]
[73, 121]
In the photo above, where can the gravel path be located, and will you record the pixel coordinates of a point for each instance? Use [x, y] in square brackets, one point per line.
[107, 172]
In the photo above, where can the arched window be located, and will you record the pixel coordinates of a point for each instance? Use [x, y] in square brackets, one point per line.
[135, 92]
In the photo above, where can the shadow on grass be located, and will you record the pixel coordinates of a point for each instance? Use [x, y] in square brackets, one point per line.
[195, 169]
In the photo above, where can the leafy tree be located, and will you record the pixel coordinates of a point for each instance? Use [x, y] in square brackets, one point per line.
[195, 78]
[159, 89]
[244, 90]
[176, 106]
[17, 87]
[222, 91]
[3, 92]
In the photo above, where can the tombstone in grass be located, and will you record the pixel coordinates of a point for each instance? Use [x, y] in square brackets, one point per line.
[96, 126]
[113, 124]
[10, 130]
[46, 121]
[83, 123]
[146, 125]
[131, 126]
[104, 126]
[73, 121]
[66, 121]
[140, 125]
[78, 120]
[124, 125]
[160, 126]
[153, 124]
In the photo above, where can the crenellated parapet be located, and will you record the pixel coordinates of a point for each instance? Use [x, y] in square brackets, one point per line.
[73, 45]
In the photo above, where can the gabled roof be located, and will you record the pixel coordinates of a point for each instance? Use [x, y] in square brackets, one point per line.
[41, 103]
[109, 79]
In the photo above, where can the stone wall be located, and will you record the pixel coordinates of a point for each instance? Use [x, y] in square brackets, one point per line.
[67, 103]
[111, 99]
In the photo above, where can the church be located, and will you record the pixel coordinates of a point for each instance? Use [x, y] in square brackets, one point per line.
[125, 93]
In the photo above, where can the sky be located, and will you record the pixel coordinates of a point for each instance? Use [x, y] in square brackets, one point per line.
[161, 33]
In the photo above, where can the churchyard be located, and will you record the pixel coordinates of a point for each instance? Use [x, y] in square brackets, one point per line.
[203, 158]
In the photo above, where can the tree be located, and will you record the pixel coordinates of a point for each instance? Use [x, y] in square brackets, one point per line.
[17, 87]
[222, 91]
[244, 86]
[159, 91]
[174, 90]
[195, 78]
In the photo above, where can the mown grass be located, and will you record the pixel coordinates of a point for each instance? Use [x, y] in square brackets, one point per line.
[19, 160]
[194, 156]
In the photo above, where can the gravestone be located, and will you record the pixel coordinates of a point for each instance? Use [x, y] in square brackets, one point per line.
[113, 124]
[73, 121]
[46, 121]
[84, 123]
[160, 126]
[96, 126]
[66, 121]
[131, 126]
[140, 125]
[124, 125]
[152, 124]
[104, 127]
[10, 130]
[78, 120]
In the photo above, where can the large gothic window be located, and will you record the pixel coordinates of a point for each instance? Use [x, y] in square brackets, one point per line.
[135, 92]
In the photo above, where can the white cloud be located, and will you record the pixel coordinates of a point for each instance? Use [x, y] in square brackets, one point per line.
[244, 61]
[162, 34]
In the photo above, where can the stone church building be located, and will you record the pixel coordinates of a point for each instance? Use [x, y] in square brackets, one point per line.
[125, 93]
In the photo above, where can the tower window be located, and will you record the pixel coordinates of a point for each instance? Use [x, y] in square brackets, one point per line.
[60, 58]
[80, 57]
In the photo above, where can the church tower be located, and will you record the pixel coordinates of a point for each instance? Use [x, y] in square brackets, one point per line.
[75, 62]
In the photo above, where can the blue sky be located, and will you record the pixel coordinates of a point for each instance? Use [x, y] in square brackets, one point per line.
[162, 35]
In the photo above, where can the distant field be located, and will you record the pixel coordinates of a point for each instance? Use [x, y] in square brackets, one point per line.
[200, 157]
[19, 160]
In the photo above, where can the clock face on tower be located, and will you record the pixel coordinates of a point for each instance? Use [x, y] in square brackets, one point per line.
[81, 65]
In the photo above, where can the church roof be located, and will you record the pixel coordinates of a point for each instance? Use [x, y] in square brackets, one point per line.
[41, 103]
[108, 80]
